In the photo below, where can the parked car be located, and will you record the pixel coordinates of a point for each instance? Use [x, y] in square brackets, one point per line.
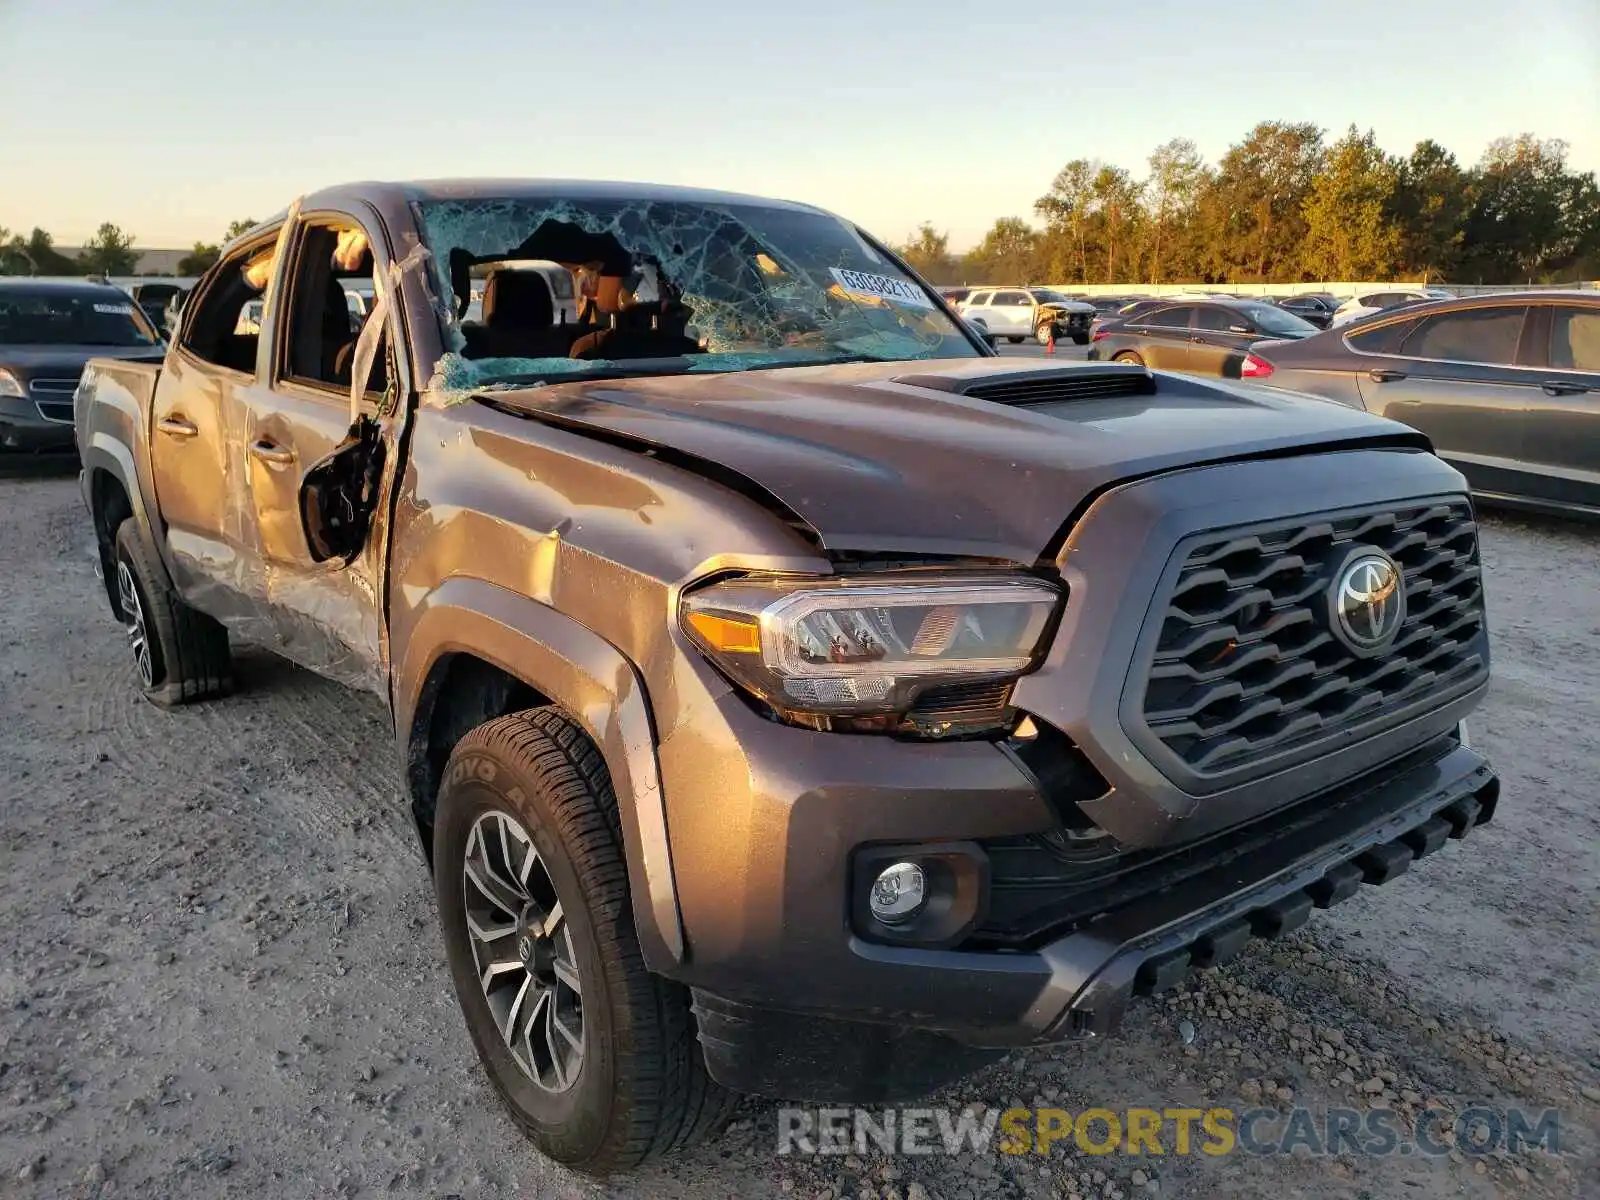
[1368, 303]
[153, 296]
[1507, 388]
[48, 330]
[1134, 308]
[172, 314]
[1208, 337]
[954, 295]
[1316, 307]
[1016, 313]
[794, 697]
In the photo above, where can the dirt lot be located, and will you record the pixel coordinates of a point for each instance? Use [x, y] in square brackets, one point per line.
[220, 975]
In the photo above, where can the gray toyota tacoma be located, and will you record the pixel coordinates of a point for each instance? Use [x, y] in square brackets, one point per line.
[791, 696]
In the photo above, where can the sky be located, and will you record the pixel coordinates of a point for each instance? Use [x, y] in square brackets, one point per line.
[172, 118]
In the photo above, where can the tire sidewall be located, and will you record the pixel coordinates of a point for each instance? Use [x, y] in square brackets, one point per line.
[155, 631]
[572, 1125]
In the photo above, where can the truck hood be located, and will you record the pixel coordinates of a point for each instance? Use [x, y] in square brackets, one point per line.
[902, 458]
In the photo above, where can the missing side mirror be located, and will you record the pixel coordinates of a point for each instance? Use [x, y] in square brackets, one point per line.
[339, 494]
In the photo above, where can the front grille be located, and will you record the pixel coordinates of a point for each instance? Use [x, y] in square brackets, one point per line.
[55, 410]
[1038, 893]
[52, 387]
[1246, 666]
[1079, 384]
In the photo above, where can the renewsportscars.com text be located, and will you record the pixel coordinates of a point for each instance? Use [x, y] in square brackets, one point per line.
[1376, 1132]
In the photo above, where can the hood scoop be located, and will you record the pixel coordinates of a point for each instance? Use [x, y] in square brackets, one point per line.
[1047, 386]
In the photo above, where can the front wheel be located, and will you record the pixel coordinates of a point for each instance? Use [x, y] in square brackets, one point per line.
[1080, 339]
[1128, 356]
[1045, 333]
[595, 1057]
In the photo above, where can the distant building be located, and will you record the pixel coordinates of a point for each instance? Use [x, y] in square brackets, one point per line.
[151, 262]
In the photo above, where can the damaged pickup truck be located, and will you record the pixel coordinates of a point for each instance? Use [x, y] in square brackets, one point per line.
[791, 696]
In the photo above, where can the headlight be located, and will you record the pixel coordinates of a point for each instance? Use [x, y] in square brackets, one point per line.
[9, 385]
[865, 647]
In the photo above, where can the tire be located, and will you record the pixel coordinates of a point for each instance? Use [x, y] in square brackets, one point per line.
[180, 655]
[1014, 339]
[1080, 339]
[1128, 356]
[1042, 334]
[633, 1086]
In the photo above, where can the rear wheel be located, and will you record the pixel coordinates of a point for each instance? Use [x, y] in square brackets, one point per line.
[595, 1058]
[1014, 339]
[180, 654]
[1128, 356]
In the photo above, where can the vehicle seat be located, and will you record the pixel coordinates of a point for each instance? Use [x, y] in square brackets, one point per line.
[338, 339]
[633, 343]
[518, 316]
[344, 364]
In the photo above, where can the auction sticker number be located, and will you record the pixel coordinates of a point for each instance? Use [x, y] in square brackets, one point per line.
[896, 291]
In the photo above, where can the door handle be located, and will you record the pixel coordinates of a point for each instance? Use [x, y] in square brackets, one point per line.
[178, 427]
[271, 452]
[1558, 387]
[1384, 375]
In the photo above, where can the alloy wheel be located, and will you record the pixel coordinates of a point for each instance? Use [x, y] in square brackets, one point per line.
[134, 624]
[523, 951]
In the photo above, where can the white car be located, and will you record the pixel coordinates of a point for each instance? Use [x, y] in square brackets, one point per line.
[1017, 313]
[1367, 303]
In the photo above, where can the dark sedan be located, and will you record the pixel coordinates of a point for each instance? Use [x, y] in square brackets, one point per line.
[48, 330]
[1506, 386]
[1316, 307]
[1205, 337]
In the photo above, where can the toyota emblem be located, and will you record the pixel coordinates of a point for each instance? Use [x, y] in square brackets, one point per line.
[1368, 600]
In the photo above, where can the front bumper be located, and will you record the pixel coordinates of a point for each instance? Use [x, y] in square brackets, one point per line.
[887, 1022]
[1071, 322]
[25, 427]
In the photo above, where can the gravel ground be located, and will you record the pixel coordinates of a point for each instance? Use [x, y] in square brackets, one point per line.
[220, 974]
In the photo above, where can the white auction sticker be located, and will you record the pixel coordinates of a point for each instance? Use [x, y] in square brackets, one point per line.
[120, 310]
[865, 283]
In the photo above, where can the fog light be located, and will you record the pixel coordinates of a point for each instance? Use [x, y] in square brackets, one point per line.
[898, 893]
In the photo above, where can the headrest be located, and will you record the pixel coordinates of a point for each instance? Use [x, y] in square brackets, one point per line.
[519, 298]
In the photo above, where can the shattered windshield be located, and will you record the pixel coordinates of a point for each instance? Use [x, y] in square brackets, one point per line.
[539, 290]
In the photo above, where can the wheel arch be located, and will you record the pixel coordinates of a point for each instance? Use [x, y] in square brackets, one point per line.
[477, 651]
[111, 501]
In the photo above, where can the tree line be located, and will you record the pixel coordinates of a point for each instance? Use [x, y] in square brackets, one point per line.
[109, 252]
[1286, 206]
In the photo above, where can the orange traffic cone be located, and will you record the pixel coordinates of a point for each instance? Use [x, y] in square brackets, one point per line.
[1050, 343]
